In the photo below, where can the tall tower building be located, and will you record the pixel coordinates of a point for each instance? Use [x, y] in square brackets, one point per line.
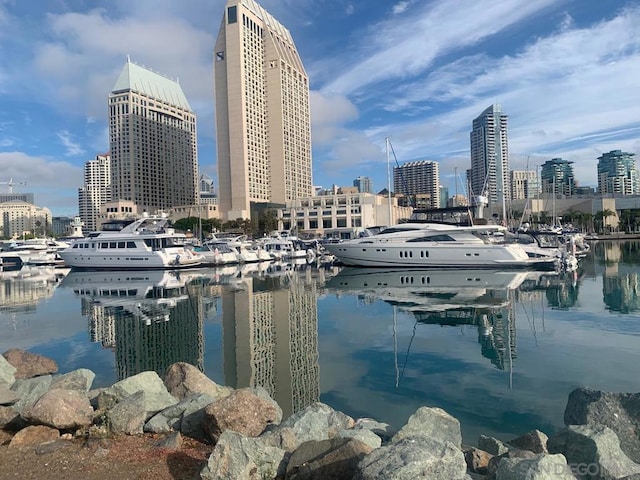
[96, 190]
[152, 135]
[263, 123]
[557, 177]
[363, 184]
[489, 173]
[418, 178]
[617, 173]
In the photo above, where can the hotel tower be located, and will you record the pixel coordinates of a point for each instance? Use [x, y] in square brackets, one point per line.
[489, 173]
[263, 131]
[152, 135]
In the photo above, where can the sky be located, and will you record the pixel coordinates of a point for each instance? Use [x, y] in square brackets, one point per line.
[418, 72]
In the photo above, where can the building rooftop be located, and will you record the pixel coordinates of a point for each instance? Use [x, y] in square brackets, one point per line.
[141, 80]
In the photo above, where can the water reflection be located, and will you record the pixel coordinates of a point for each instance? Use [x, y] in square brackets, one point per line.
[621, 283]
[21, 290]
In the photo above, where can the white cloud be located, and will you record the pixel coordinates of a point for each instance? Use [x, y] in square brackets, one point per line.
[72, 148]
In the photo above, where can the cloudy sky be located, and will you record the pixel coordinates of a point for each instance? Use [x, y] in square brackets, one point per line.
[417, 71]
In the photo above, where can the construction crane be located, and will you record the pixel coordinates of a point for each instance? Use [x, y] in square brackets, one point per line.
[11, 183]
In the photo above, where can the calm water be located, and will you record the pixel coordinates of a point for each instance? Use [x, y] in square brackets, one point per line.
[499, 350]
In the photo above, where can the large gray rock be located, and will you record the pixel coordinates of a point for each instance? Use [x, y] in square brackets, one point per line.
[535, 441]
[156, 396]
[29, 365]
[492, 445]
[382, 430]
[184, 380]
[243, 411]
[238, 457]
[7, 371]
[543, 467]
[80, 379]
[335, 458]
[618, 411]
[431, 422]
[29, 391]
[594, 450]
[129, 415]
[61, 409]
[362, 435]
[414, 458]
[187, 416]
[7, 396]
[317, 421]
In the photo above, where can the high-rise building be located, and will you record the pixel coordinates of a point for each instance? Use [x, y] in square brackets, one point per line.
[363, 184]
[617, 174]
[263, 121]
[489, 172]
[96, 190]
[415, 178]
[152, 137]
[524, 184]
[557, 177]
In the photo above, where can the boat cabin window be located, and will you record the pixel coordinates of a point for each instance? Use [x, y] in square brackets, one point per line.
[433, 238]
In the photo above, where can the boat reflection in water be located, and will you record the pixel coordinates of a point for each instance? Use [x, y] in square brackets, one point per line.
[22, 289]
[484, 298]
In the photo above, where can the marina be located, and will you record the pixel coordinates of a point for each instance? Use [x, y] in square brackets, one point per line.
[498, 349]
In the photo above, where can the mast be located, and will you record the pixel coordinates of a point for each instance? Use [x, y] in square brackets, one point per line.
[388, 180]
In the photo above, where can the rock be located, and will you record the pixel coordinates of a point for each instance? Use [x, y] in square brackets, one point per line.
[33, 435]
[242, 411]
[7, 396]
[80, 379]
[477, 460]
[187, 416]
[542, 467]
[183, 380]
[335, 458]
[365, 436]
[61, 409]
[52, 446]
[29, 365]
[431, 422]
[414, 458]
[173, 441]
[156, 396]
[618, 411]
[492, 445]
[535, 441]
[237, 456]
[495, 461]
[383, 430]
[594, 450]
[29, 391]
[129, 415]
[8, 415]
[7, 372]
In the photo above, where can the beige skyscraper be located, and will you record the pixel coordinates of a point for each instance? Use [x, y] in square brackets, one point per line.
[152, 135]
[263, 123]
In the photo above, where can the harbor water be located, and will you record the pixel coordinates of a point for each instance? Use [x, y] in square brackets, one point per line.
[500, 351]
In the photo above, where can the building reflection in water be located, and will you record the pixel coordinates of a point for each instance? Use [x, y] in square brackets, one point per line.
[270, 335]
[21, 290]
[620, 282]
[150, 319]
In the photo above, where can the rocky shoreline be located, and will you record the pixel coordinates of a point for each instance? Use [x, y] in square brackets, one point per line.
[251, 440]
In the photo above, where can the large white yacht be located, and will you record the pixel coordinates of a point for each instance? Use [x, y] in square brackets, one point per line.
[146, 243]
[429, 245]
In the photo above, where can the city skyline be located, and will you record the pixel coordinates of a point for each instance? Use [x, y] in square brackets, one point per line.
[563, 71]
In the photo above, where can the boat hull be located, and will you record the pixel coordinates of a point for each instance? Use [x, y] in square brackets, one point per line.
[92, 260]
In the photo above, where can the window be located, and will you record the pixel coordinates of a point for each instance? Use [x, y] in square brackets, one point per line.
[232, 15]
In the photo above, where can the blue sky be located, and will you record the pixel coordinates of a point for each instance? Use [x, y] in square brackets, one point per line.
[565, 71]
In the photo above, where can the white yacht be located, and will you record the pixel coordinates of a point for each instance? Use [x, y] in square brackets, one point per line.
[35, 248]
[217, 252]
[146, 243]
[433, 245]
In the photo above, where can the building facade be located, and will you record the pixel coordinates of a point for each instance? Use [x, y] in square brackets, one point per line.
[363, 184]
[557, 177]
[617, 174]
[263, 121]
[19, 218]
[96, 190]
[153, 142]
[418, 178]
[489, 172]
[524, 184]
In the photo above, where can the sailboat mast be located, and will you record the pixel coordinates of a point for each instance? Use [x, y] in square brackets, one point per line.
[388, 180]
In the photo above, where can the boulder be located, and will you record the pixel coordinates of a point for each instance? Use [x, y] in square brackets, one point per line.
[29, 391]
[413, 458]
[431, 422]
[243, 411]
[183, 380]
[7, 372]
[129, 415]
[7, 396]
[542, 467]
[34, 435]
[61, 409]
[237, 456]
[594, 450]
[80, 379]
[477, 460]
[335, 458]
[618, 411]
[156, 396]
[29, 365]
[535, 441]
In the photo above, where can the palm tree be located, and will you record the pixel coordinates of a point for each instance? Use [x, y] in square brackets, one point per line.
[602, 216]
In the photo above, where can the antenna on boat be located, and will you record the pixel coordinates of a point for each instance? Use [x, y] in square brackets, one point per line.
[388, 143]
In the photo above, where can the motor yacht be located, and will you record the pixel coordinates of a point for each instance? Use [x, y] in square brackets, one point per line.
[433, 245]
[146, 243]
